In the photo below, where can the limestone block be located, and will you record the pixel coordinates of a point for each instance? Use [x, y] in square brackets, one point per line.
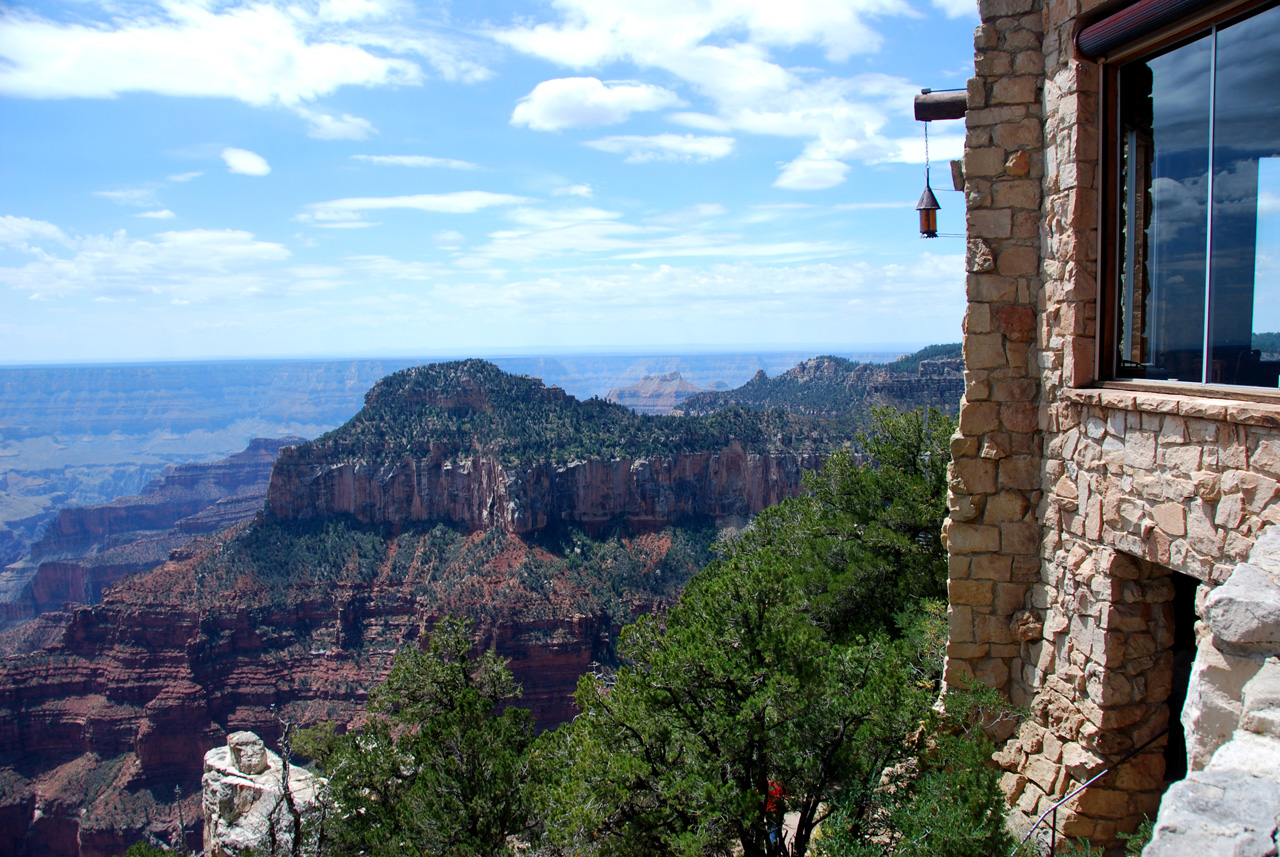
[995, 222]
[248, 753]
[1171, 518]
[1217, 812]
[1017, 165]
[1213, 706]
[1260, 706]
[986, 162]
[978, 260]
[1256, 754]
[1245, 611]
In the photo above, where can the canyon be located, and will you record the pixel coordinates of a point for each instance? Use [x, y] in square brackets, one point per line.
[85, 549]
[547, 522]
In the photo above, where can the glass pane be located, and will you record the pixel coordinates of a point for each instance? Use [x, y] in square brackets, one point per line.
[1164, 107]
[1246, 183]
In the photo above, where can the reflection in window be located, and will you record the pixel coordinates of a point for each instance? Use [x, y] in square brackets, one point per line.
[1198, 284]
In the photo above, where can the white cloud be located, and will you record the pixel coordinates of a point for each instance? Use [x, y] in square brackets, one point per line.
[582, 190]
[572, 102]
[416, 161]
[665, 147]
[186, 177]
[138, 196]
[162, 214]
[270, 53]
[811, 174]
[196, 264]
[449, 239]
[690, 216]
[17, 231]
[910, 150]
[760, 299]
[957, 8]
[245, 163]
[721, 49]
[350, 210]
[322, 126]
[542, 233]
[258, 53]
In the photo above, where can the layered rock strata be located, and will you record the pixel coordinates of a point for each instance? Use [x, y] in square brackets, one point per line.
[124, 700]
[728, 486]
[654, 394]
[88, 548]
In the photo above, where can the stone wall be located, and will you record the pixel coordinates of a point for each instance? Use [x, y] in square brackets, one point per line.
[1072, 507]
[992, 533]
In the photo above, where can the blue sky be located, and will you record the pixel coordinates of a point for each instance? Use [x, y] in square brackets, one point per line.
[198, 179]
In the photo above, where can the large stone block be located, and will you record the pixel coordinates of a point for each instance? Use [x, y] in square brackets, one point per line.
[1245, 611]
[1260, 705]
[1213, 706]
[1224, 812]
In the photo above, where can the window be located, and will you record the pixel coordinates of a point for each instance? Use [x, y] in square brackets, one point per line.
[1197, 213]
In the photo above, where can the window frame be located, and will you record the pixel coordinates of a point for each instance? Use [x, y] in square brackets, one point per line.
[1110, 202]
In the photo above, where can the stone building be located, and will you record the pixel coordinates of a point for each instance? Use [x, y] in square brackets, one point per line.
[1118, 454]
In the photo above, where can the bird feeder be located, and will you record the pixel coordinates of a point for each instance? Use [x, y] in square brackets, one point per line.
[928, 209]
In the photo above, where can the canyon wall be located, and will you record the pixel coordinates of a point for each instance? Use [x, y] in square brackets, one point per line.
[99, 725]
[88, 548]
[479, 492]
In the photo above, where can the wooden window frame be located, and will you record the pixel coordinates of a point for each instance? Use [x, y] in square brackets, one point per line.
[1110, 229]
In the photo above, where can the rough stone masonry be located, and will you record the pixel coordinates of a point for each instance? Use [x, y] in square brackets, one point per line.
[1073, 506]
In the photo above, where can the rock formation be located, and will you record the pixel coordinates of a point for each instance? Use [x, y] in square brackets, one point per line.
[1229, 803]
[246, 807]
[728, 485]
[458, 489]
[654, 394]
[835, 388]
[88, 548]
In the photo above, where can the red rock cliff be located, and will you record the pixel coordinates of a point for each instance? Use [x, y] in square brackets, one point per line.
[480, 492]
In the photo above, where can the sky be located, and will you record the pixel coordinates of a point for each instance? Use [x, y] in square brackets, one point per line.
[196, 179]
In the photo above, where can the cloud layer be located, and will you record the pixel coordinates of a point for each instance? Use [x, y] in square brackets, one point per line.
[574, 102]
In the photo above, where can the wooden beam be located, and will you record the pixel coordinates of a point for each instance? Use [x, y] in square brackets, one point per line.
[941, 105]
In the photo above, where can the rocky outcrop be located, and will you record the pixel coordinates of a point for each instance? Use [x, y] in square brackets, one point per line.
[250, 805]
[1230, 802]
[100, 720]
[452, 492]
[654, 394]
[835, 388]
[86, 549]
[481, 492]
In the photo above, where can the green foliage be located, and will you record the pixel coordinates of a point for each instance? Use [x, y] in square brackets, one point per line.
[774, 672]
[867, 540]
[1268, 342]
[143, 849]
[836, 389]
[1139, 839]
[440, 766]
[459, 409]
[911, 362]
[945, 801]
[738, 692]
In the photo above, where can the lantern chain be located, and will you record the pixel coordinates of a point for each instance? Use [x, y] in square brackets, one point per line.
[926, 154]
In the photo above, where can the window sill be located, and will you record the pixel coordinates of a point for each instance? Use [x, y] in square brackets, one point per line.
[1245, 406]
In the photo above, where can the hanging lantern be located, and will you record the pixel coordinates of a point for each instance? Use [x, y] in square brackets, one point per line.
[928, 206]
[928, 209]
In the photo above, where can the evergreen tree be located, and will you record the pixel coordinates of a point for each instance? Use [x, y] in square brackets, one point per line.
[441, 765]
